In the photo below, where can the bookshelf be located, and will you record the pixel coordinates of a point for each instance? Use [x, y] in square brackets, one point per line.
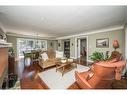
[67, 49]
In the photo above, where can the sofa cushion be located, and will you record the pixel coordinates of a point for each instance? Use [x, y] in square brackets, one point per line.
[59, 54]
[44, 56]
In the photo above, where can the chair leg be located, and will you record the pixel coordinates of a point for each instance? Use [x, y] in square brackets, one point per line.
[24, 62]
[43, 69]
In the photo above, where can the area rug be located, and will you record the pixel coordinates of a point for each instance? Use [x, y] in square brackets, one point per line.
[55, 80]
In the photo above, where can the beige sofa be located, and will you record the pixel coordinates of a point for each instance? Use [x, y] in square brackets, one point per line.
[51, 61]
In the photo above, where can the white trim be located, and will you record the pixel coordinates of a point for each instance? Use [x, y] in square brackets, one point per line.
[75, 48]
[125, 29]
[109, 29]
[3, 43]
[78, 48]
[28, 36]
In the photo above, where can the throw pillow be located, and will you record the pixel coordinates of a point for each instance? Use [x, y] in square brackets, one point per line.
[59, 54]
[90, 75]
[44, 56]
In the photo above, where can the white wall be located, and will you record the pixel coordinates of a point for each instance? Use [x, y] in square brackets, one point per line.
[72, 47]
[61, 47]
[52, 44]
[126, 42]
[125, 47]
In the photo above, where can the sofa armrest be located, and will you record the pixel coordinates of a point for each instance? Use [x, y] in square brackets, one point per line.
[83, 83]
[40, 59]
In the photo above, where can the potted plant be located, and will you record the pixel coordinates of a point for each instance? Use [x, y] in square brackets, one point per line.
[11, 52]
[98, 56]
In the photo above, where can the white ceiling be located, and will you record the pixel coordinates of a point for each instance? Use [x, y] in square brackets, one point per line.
[56, 21]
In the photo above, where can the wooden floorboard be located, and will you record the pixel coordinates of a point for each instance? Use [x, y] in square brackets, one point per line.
[74, 86]
[29, 78]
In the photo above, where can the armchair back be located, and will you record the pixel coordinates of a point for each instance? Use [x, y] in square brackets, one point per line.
[103, 74]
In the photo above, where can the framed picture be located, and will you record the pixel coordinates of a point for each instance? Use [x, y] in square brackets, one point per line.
[102, 43]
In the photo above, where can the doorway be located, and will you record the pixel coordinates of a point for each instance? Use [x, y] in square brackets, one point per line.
[82, 50]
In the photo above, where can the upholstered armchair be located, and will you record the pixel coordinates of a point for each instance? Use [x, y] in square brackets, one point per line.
[46, 63]
[47, 59]
[50, 58]
[100, 76]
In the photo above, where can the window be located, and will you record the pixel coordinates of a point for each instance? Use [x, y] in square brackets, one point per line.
[30, 44]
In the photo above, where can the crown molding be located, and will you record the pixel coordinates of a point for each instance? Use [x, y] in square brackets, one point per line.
[28, 36]
[108, 29]
[25, 36]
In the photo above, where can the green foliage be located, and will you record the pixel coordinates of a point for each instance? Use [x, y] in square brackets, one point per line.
[125, 73]
[97, 56]
[11, 51]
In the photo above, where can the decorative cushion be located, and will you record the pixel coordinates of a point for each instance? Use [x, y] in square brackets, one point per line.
[90, 75]
[59, 54]
[44, 56]
[70, 60]
[63, 60]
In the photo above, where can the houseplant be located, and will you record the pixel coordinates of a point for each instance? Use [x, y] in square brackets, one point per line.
[11, 52]
[125, 75]
[98, 56]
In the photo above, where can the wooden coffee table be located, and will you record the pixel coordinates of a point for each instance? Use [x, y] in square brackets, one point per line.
[65, 67]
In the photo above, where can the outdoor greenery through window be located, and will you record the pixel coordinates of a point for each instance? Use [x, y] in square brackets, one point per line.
[30, 44]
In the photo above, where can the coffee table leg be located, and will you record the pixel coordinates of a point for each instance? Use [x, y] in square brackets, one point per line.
[56, 68]
[63, 71]
[76, 65]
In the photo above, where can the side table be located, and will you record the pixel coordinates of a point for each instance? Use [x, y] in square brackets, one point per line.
[120, 84]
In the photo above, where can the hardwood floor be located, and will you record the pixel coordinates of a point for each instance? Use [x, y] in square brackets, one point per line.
[30, 80]
[74, 86]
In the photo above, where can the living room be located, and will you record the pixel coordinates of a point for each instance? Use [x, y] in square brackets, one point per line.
[50, 50]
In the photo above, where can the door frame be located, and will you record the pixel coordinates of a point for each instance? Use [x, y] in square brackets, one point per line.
[76, 46]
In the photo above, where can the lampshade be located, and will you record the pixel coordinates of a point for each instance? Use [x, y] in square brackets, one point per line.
[115, 44]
